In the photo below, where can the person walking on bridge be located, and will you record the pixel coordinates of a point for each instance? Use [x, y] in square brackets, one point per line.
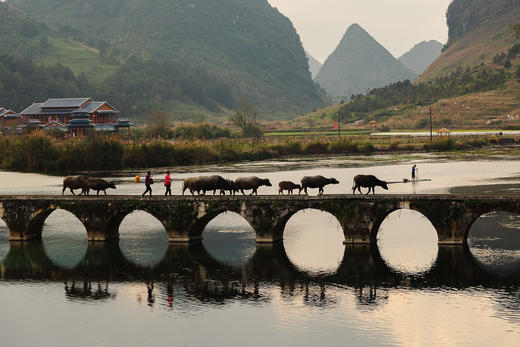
[148, 183]
[168, 183]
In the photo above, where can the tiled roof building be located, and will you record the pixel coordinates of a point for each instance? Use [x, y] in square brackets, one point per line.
[76, 115]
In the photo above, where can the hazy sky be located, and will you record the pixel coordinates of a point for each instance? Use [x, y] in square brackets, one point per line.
[396, 24]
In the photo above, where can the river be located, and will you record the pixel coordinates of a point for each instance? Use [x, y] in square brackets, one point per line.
[309, 290]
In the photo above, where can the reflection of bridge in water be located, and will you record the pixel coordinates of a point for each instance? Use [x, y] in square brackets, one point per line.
[184, 218]
[203, 277]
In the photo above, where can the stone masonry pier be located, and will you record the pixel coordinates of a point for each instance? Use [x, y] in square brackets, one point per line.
[185, 217]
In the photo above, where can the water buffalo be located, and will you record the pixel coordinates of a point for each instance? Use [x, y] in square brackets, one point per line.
[98, 184]
[367, 181]
[210, 183]
[317, 182]
[189, 183]
[289, 186]
[229, 186]
[252, 182]
[75, 182]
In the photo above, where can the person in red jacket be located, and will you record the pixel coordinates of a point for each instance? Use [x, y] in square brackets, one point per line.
[168, 183]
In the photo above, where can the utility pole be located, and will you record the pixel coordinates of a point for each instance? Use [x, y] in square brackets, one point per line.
[339, 128]
[431, 126]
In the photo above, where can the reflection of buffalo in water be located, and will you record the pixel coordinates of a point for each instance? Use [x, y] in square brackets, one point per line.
[98, 184]
[368, 181]
[252, 182]
[75, 182]
[317, 182]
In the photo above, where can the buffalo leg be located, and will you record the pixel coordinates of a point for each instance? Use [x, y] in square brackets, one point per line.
[72, 191]
[242, 191]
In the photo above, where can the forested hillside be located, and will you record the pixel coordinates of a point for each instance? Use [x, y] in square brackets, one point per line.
[26, 38]
[245, 45]
[478, 30]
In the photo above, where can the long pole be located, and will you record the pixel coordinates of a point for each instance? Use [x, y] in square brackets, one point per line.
[431, 126]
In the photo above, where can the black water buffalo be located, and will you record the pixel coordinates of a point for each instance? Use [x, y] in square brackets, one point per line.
[289, 186]
[367, 181]
[229, 186]
[210, 183]
[253, 182]
[98, 184]
[317, 182]
[75, 182]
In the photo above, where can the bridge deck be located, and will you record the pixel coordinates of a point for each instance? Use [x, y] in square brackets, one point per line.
[372, 197]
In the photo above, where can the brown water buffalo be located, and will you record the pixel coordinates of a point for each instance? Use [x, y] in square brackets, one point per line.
[289, 186]
[75, 182]
[252, 182]
[317, 182]
[367, 181]
[189, 183]
[98, 184]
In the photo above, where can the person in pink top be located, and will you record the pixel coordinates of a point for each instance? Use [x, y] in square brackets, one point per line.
[168, 183]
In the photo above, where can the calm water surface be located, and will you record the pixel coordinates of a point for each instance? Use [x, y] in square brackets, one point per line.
[309, 290]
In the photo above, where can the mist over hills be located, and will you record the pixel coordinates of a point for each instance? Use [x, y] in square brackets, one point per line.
[314, 65]
[359, 64]
[421, 56]
[246, 45]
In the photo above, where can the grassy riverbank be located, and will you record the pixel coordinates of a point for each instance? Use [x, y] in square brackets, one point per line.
[40, 152]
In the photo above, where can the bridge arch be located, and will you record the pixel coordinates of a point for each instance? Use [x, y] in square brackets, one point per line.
[476, 215]
[37, 220]
[197, 229]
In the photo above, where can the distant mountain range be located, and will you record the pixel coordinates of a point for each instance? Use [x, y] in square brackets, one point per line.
[245, 47]
[421, 56]
[359, 64]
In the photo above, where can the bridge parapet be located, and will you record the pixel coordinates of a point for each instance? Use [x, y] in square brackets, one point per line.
[184, 218]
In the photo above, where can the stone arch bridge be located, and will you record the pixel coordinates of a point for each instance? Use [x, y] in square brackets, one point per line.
[184, 218]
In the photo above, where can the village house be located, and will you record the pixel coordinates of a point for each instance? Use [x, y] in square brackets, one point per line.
[9, 120]
[74, 115]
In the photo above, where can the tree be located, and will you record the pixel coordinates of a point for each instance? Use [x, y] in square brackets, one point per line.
[244, 117]
[516, 28]
[158, 124]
